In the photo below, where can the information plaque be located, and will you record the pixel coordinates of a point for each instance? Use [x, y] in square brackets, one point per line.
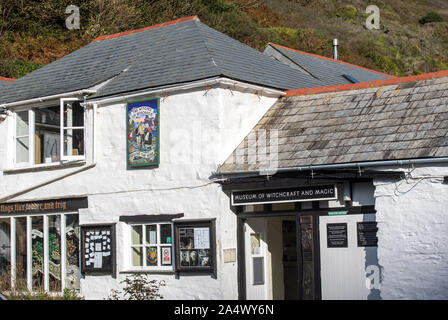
[337, 235]
[98, 248]
[367, 236]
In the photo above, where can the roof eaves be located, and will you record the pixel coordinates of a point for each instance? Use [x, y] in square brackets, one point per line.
[370, 84]
[160, 25]
[274, 45]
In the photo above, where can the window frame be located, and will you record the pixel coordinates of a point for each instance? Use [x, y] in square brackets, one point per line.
[30, 134]
[62, 128]
[29, 258]
[208, 223]
[32, 131]
[159, 245]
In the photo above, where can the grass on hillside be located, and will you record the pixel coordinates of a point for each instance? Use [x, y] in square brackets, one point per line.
[33, 34]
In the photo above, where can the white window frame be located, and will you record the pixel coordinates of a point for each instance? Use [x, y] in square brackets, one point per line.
[29, 258]
[31, 132]
[63, 127]
[144, 245]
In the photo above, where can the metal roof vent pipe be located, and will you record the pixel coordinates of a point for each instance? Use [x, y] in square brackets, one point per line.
[335, 49]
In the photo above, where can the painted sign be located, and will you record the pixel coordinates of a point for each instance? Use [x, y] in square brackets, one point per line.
[143, 143]
[44, 206]
[296, 194]
[337, 235]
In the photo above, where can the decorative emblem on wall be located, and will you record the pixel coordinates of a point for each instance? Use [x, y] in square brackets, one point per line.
[142, 133]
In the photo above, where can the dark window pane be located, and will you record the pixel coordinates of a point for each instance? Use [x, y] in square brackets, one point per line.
[54, 253]
[73, 273]
[165, 233]
[37, 244]
[47, 138]
[74, 142]
[5, 254]
[73, 114]
[21, 262]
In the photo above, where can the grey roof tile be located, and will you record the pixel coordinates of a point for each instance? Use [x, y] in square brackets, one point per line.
[328, 70]
[168, 55]
[389, 131]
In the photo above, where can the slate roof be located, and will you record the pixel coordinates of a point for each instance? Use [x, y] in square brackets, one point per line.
[328, 70]
[176, 52]
[4, 82]
[394, 119]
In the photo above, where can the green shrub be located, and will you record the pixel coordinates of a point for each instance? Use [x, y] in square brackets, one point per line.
[349, 12]
[431, 17]
[138, 287]
[18, 68]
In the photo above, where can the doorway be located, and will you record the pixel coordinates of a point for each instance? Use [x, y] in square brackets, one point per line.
[280, 258]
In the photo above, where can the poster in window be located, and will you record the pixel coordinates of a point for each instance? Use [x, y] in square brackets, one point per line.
[143, 142]
[51, 147]
[98, 248]
[151, 256]
[166, 255]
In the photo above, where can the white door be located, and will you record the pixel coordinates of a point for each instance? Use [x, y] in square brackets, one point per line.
[344, 270]
[256, 260]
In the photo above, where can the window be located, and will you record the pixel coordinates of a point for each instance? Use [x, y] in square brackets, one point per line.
[38, 133]
[152, 245]
[72, 129]
[40, 252]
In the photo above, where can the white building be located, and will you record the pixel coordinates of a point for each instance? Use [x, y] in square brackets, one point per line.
[111, 165]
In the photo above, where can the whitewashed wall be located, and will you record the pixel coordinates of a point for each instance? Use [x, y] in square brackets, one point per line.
[198, 130]
[413, 234]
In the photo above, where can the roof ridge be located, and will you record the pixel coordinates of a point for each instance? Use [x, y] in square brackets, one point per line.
[203, 39]
[7, 79]
[156, 26]
[329, 59]
[369, 84]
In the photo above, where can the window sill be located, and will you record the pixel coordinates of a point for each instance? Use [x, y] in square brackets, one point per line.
[149, 271]
[45, 167]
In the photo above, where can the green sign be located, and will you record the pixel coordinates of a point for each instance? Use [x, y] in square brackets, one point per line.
[336, 213]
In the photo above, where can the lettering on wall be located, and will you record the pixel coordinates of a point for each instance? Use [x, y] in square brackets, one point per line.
[44, 206]
[308, 193]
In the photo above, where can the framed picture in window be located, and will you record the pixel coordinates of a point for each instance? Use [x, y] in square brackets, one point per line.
[98, 248]
[195, 246]
[142, 133]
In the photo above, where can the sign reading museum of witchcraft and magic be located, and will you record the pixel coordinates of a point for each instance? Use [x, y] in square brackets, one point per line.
[142, 133]
[309, 193]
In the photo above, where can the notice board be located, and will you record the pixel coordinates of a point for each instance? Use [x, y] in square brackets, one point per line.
[337, 235]
[98, 249]
[367, 234]
[195, 246]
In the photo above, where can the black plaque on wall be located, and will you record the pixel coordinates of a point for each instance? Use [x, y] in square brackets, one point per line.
[337, 235]
[98, 248]
[367, 234]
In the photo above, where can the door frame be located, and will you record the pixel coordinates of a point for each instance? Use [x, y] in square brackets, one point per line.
[298, 212]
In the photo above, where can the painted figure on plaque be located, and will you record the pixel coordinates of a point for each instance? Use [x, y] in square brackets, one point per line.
[142, 133]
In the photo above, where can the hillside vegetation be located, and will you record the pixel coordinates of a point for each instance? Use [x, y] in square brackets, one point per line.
[33, 32]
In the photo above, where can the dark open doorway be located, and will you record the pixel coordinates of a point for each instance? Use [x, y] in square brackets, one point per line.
[290, 270]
